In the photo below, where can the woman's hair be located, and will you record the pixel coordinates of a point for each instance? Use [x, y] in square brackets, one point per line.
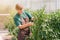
[19, 7]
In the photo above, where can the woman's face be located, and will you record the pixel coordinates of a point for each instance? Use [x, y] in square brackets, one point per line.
[20, 11]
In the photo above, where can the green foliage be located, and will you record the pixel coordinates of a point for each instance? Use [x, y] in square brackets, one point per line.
[54, 24]
[46, 26]
[12, 27]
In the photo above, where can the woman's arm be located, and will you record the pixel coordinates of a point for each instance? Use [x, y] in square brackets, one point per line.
[25, 25]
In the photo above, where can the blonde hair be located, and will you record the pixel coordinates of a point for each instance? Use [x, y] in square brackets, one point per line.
[19, 7]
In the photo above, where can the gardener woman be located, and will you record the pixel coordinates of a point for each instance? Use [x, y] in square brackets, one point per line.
[23, 20]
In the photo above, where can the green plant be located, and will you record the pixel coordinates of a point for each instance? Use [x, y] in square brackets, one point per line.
[46, 26]
[12, 27]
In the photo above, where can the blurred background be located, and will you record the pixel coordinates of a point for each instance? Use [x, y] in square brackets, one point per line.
[8, 6]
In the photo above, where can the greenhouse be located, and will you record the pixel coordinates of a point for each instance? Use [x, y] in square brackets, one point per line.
[45, 14]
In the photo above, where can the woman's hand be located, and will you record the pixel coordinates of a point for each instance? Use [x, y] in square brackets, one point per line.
[30, 23]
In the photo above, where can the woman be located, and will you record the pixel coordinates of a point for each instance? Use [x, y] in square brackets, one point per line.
[23, 20]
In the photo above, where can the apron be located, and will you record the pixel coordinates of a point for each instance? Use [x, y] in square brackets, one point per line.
[23, 33]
